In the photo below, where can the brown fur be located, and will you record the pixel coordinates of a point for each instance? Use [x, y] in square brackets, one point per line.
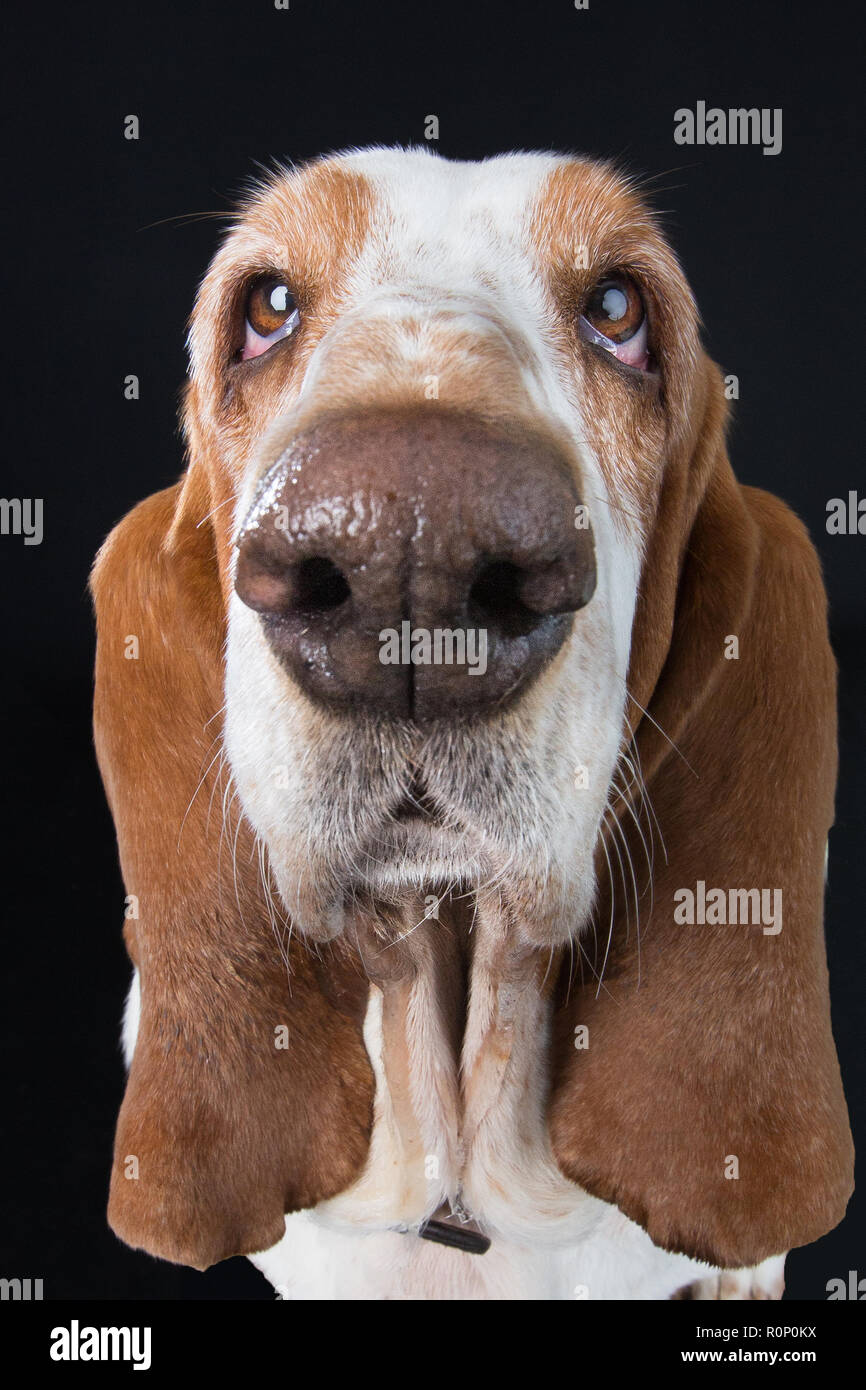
[712, 1041]
[229, 1131]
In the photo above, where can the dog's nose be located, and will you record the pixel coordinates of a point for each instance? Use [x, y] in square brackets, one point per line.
[419, 564]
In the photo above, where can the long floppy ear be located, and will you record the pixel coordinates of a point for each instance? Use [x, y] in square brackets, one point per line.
[705, 1097]
[250, 1092]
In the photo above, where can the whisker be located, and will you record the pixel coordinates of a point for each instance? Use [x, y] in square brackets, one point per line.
[216, 755]
[667, 739]
[183, 219]
[610, 925]
[219, 506]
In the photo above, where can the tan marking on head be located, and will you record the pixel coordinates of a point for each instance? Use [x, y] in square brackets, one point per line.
[588, 221]
[310, 225]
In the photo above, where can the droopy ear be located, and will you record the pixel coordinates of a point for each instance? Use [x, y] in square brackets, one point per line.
[250, 1092]
[704, 1099]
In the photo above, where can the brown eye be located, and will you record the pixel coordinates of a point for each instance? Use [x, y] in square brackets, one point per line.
[271, 315]
[270, 304]
[615, 308]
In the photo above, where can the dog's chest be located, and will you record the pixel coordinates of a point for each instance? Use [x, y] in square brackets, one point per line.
[616, 1261]
[468, 1134]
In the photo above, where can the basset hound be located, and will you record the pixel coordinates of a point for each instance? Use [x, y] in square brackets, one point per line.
[469, 732]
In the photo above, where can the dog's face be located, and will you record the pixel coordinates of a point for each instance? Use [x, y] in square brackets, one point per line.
[436, 397]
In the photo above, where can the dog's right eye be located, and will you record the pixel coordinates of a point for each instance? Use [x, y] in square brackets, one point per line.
[271, 315]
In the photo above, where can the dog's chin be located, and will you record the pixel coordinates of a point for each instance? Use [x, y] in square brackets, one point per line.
[414, 855]
[407, 860]
[414, 861]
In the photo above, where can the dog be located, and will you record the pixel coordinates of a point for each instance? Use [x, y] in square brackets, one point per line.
[455, 662]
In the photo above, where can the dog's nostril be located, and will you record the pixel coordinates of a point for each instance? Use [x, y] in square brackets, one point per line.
[319, 585]
[495, 595]
[496, 588]
[516, 599]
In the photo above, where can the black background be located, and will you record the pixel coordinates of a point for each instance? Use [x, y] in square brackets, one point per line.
[101, 281]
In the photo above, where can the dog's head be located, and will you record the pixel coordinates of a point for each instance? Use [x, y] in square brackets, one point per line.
[432, 406]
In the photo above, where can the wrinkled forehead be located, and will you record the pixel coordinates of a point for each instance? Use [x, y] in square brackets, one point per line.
[414, 218]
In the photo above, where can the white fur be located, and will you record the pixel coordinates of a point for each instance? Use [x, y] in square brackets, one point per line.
[314, 1261]
[445, 231]
[619, 1262]
[131, 1018]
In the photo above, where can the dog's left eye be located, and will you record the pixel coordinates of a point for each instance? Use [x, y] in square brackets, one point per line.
[271, 315]
[614, 318]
